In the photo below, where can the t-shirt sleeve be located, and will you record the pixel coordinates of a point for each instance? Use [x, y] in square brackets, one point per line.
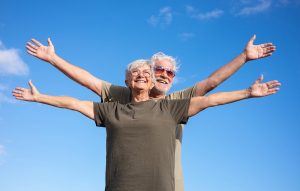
[100, 109]
[183, 94]
[112, 93]
[178, 109]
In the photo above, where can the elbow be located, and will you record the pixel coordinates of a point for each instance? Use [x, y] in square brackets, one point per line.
[211, 84]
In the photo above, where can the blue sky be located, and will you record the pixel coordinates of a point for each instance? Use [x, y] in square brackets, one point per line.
[249, 145]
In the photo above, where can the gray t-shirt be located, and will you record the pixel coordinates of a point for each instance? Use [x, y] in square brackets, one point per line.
[140, 143]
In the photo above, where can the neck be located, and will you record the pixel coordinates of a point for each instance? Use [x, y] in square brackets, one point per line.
[138, 96]
[154, 93]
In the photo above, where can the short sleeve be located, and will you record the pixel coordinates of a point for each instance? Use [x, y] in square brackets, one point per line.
[101, 110]
[111, 93]
[178, 109]
[183, 94]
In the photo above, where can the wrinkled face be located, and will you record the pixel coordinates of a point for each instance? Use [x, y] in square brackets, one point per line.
[140, 78]
[164, 74]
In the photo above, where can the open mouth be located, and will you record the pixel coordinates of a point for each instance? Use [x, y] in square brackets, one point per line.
[140, 81]
[162, 81]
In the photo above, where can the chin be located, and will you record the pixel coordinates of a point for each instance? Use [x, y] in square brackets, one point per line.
[161, 90]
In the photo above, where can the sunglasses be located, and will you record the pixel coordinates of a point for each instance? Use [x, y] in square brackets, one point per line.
[159, 70]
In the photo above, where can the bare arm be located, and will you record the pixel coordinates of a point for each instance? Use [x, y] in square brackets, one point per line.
[251, 52]
[32, 94]
[258, 89]
[79, 75]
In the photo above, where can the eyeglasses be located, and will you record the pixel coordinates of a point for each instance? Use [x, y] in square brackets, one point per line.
[145, 73]
[159, 70]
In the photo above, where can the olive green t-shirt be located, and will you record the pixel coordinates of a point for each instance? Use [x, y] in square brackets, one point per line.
[140, 144]
[122, 94]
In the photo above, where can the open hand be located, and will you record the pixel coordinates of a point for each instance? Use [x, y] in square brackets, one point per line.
[253, 52]
[259, 89]
[26, 94]
[35, 48]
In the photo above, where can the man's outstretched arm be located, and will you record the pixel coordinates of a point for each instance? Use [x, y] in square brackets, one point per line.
[81, 76]
[251, 52]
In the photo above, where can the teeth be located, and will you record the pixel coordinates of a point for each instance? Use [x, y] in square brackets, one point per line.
[162, 81]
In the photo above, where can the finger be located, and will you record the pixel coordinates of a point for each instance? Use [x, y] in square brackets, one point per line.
[269, 49]
[252, 40]
[50, 42]
[17, 92]
[31, 45]
[32, 53]
[36, 42]
[31, 85]
[19, 98]
[31, 49]
[260, 79]
[266, 55]
[265, 45]
[20, 89]
[273, 91]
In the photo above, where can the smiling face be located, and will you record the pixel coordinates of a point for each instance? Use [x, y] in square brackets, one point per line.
[140, 77]
[163, 70]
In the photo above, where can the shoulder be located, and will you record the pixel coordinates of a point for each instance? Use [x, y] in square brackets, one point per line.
[183, 94]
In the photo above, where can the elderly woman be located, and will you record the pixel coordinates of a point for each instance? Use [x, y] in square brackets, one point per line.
[141, 134]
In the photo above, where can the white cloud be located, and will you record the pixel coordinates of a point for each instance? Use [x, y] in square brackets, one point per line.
[186, 36]
[164, 17]
[214, 14]
[262, 5]
[11, 63]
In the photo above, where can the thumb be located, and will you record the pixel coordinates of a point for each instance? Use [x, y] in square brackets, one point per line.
[50, 42]
[260, 79]
[31, 85]
[252, 40]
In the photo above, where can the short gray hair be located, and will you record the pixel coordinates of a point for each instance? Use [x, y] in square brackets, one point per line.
[137, 64]
[163, 56]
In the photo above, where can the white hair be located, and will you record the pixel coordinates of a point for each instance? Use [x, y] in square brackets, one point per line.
[163, 56]
[137, 64]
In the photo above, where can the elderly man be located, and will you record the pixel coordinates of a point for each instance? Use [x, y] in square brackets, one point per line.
[164, 69]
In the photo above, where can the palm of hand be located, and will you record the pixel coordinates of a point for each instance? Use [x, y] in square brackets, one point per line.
[258, 90]
[254, 52]
[28, 94]
[45, 52]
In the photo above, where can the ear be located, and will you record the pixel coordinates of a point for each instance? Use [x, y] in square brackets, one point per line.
[126, 82]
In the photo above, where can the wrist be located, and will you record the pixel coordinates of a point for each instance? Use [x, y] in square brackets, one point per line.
[37, 97]
[52, 58]
[244, 57]
[248, 92]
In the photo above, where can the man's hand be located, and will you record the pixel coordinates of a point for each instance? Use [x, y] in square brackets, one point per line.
[35, 48]
[253, 52]
[26, 94]
[259, 89]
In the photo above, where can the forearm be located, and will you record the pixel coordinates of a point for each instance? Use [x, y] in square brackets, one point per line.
[84, 107]
[77, 74]
[200, 103]
[220, 75]
[227, 70]
[57, 101]
[227, 97]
